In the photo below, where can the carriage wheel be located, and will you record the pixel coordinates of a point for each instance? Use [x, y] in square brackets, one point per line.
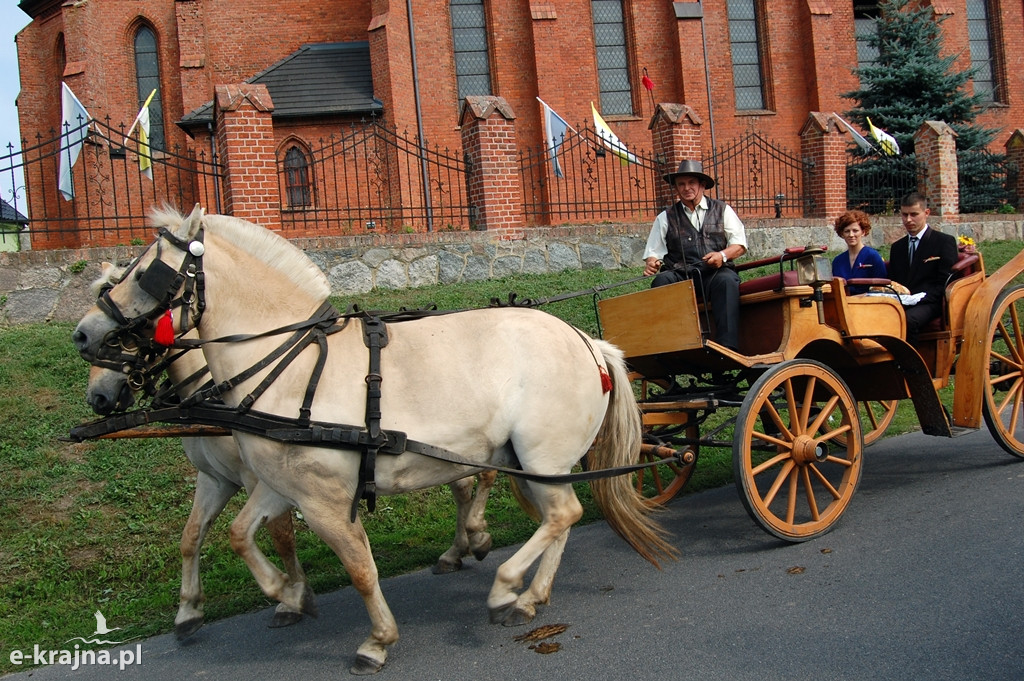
[1004, 389]
[660, 484]
[794, 476]
[877, 414]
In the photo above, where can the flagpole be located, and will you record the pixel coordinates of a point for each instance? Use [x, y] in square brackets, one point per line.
[137, 117]
[566, 122]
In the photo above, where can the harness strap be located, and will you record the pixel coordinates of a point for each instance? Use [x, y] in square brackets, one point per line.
[375, 337]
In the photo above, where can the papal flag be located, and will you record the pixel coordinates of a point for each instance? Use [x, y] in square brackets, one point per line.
[888, 143]
[142, 121]
[610, 139]
[555, 129]
[74, 128]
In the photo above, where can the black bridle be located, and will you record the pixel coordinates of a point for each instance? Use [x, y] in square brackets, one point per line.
[131, 348]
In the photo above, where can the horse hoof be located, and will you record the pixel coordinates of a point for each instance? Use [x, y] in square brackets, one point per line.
[444, 567]
[183, 630]
[365, 665]
[500, 614]
[481, 550]
[518, 616]
[309, 603]
[284, 619]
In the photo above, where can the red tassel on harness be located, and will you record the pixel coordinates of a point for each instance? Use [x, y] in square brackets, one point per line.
[606, 380]
[164, 334]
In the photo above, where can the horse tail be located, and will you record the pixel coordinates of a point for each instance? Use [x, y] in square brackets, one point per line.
[618, 444]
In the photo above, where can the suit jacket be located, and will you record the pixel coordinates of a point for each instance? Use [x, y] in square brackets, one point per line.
[935, 256]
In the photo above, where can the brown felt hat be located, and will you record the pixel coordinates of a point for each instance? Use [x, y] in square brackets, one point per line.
[695, 168]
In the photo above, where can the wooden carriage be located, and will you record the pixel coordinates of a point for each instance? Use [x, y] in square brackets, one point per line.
[817, 377]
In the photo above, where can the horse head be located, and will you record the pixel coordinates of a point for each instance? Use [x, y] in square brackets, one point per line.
[159, 281]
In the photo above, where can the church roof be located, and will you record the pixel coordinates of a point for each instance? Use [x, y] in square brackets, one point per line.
[319, 79]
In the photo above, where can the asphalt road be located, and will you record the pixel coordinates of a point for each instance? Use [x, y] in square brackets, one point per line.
[923, 578]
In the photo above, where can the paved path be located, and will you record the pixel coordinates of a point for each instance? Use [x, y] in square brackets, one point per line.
[922, 579]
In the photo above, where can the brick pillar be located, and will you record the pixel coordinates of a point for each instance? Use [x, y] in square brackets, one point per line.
[823, 143]
[935, 146]
[676, 135]
[245, 138]
[492, 182]
[1015, 154]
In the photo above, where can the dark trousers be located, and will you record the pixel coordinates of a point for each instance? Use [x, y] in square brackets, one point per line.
[719, 287]
[919, 315]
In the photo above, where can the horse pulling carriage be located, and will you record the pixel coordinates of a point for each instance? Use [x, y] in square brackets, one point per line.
[817, 377]
[526, 393]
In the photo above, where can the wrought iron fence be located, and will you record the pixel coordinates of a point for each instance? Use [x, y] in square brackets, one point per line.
[372, 178]
[759, 178]
[986, 182]
[111, 197]
[876, 183]
[591, 183]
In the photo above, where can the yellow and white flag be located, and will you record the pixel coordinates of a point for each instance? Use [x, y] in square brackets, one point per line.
[142, 120]
[610, 139]
[888, 143]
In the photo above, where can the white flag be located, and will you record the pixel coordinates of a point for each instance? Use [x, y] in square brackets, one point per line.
[74, 128]
[610, 139]
[860, 139]
[555, 129]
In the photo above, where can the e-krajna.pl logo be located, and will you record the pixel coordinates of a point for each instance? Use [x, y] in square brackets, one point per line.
[77, 657]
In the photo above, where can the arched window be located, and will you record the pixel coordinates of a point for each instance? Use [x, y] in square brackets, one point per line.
[612, 57]
[147, 78]
[469, 38]
[746, 43]
[984, 50]
[296, 178]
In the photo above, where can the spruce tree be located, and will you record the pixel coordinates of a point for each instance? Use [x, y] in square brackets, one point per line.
[910, 83]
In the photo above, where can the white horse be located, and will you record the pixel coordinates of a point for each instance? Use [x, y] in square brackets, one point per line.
[221, 474]
[499, 387]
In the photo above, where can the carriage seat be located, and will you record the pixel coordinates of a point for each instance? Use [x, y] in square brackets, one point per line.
[771, 282]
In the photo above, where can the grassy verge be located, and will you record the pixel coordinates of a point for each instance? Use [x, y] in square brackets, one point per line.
[97, 524]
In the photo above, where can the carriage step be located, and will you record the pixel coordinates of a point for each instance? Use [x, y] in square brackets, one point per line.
[957, 431]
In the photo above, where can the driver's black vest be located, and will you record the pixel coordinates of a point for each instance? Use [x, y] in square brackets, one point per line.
[686, 244]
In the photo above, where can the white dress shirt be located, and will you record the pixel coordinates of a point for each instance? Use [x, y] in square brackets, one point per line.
[734, 230]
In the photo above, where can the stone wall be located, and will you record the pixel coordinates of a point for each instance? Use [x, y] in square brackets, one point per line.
[39, 286]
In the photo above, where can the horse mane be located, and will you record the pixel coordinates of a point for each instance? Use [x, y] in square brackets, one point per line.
[262, 244]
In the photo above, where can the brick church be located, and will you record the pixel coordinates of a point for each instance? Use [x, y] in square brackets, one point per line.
[736, 65]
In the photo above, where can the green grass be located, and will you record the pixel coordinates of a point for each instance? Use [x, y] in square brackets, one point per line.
[97, 524]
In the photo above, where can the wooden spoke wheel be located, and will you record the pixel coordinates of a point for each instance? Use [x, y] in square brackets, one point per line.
[1004, 390]
[795, 477]
[660, 484]
[875, 417]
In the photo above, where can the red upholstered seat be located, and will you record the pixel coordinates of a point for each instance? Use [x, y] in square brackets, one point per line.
[769, 282]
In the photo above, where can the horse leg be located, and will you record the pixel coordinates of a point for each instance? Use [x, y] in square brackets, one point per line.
[559, 509]
[329, 519]
[211, 496]
[282, 534]
[451, 560]
[262, 505]
[476, 524]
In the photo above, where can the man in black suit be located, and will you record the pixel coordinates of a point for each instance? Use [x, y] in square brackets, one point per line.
[921, 261]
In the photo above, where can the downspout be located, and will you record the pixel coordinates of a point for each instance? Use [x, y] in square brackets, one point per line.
[424, 176]
[707, 81]
[213, 159]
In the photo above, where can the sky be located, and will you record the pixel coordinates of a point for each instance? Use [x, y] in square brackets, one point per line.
[12, 20]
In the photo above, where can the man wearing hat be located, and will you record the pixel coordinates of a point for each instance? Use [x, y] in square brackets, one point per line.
[698, 238]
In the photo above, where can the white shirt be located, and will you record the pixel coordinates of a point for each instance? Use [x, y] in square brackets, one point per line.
[734, 231]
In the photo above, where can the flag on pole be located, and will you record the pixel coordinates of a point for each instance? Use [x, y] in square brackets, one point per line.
[555, 128]
[610, 139]
[861, 141]
[888, 143]
[74, 128]
[142, 120]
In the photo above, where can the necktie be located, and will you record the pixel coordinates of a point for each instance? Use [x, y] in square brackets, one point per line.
[912, 248]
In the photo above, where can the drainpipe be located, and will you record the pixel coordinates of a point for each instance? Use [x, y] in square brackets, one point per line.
[707, 81]
[213, 160]
[424, 176]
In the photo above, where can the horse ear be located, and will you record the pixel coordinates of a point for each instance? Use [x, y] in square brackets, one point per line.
[190, 226]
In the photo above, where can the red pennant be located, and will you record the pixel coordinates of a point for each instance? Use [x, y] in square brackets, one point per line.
[164, 334]
[606, 380]
[648, 83]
